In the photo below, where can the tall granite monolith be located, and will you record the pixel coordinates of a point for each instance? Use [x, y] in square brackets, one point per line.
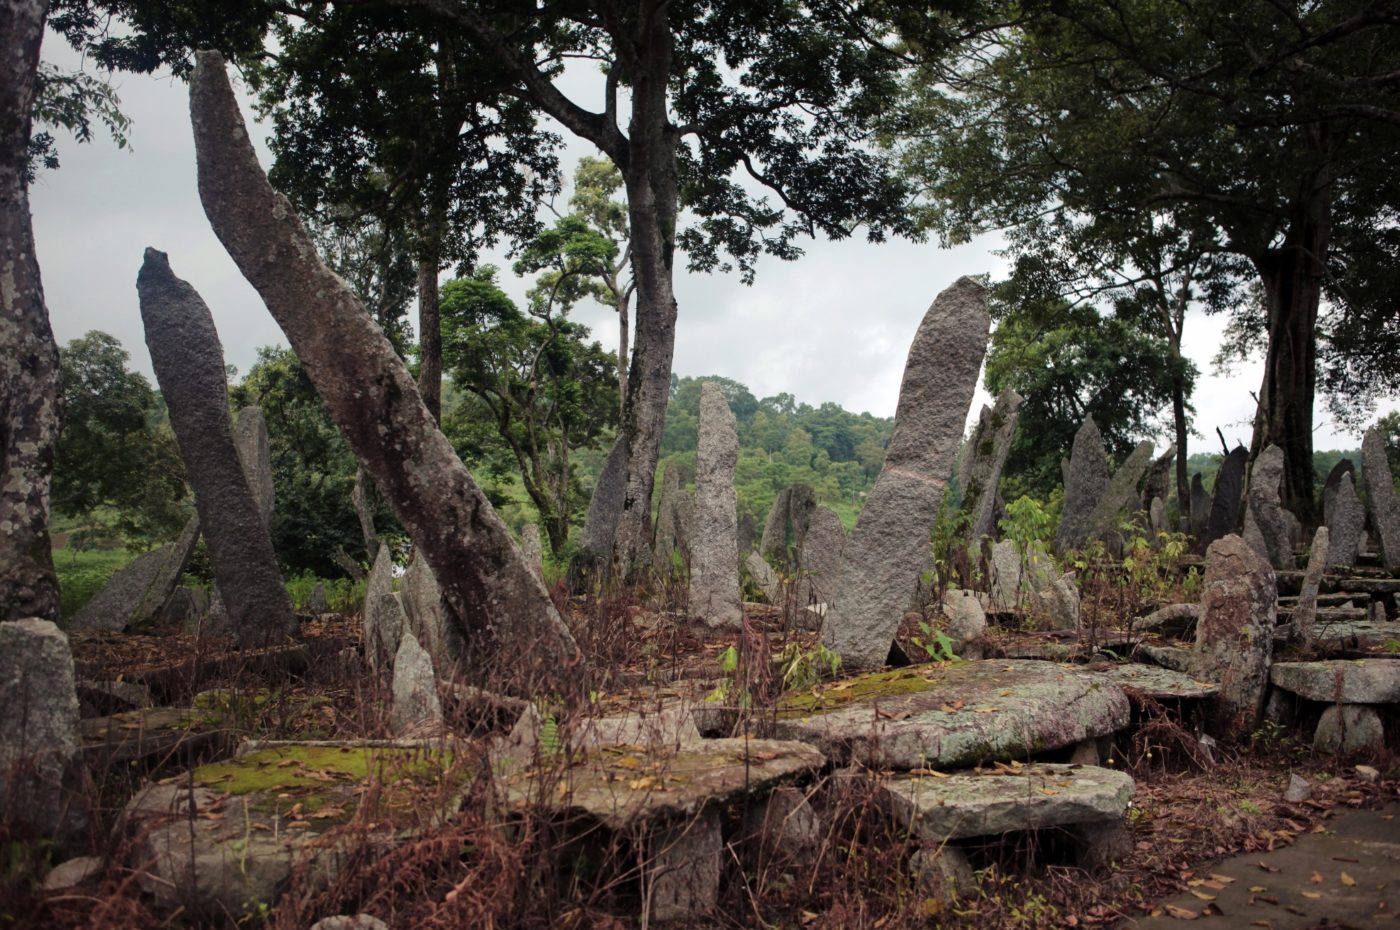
[1304, 618]
[1346, 522]
[885, 553]
[714, 550]
[1381, 500]
[979, 469]
[1330, 486]
[1227, 497]
[428, 614]
[255, 455]
[1200, 505]
[820, 557]
[1157, 483]
[137, 594]
[372, 398]
[1121, 494]
[1235, 634]
[1086, 480]
[189, 364]
[674, 507]
[1267, 526]
[532, 548]
[383, 617]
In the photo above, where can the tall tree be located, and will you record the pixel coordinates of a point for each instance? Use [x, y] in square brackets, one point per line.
[29, 367]
[1266, 132]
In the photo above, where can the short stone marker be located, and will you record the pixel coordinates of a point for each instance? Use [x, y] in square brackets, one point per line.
[979, 468]
[316, 603]
[763, 575]
[427, 613]
[384, 619]
[786, 525]
[1346, 522]
[714, 556]
[1200, 505]
[1304, 618]
[886, 551]
[416, 703]
[954, 715]
[1235, 634]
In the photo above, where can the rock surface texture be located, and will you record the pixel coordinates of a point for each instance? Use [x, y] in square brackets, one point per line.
[1346, 521]
[819, 559]
[714, 556]
[1305, 611]
[1267, 526]
[1235, 633]
[1228, 496]
[1381, 499]
[370, 395]
[137, 594]
[1086, 480]
[415, 688]
[979, 470]
[189, 364]
[885, 553]
[383, 613]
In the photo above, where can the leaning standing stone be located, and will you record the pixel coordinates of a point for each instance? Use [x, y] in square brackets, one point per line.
[1086, 480]
[886, 551]
[1121, 494]
[255, 454]
[137, 594]
[1235, 634]
[1229, 494]
[980, 471]
[1380, 497]
[415, 688]
[714, 558]
[38, 729]
[1267, 526]
[189, 364]
[383, 614]
[820, 557]
[1305, 611]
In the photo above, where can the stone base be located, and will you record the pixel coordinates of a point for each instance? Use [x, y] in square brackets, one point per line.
[680, 878]
[1348, 729]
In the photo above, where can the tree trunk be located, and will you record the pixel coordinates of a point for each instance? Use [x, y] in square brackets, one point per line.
[359, 498]
[623, 306]
[1292, 280]
[1183, 480]
[430, 331]
[29, 415]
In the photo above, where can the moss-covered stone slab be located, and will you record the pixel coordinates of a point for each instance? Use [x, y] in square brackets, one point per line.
[624, 785]
[149, 733]
[226, 836]
[1156, 682]
[1176, 658]
[1024, 797]
[1343, 681]
[1356, 634]
[957, 714]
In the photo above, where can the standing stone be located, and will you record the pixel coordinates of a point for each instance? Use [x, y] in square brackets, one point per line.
[604, 506]
[1267, 526]
[428, 615]
[1305, 611]
[189, 364]
[255, 455]
[317, 603]
[1058, 601]
[1228, 496]
[1332, 485]
[137, 594]
[1121, 494]
[967, 620]
[1157, 484]
[979, 473]
[883, 557]
[673, 512]
[819, 559]
[534, 551]
[1006, 580]
[1380, 498]
[1235, 634]
[1345, 525]
[373, 399]
[1086, 480]
[1200, 505]
[714, 557]
[1157, 518]
[383, 614]
[38, 729]
[359, 499]
[415, 688]
[763, 575]
[785, 530]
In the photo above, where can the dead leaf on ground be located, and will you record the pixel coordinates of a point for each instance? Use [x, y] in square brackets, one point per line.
[1181, 913]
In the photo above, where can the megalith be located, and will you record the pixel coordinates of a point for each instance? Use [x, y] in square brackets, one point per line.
[1305, 610]
[533, 548]
[714, 550]
[1346, 521]
[1228, 496]
[673, 513]
[1200, 505]
[371, 396]
[383, 618]
[255, 455]
[1235, 633]
[427, 614]
[137, 594]
[415, 689]
[886, 551]
[786, 527]
[979, 469]
[1269, 528]
[189, 365]
[819, 559]
[1086, 480]
[1380, 498]
[1121, 493]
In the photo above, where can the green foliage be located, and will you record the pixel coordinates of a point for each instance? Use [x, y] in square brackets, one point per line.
[71, 101]
[117, 468]
[83, 572]
[801, 669]
[935, 643]
[1026, 523]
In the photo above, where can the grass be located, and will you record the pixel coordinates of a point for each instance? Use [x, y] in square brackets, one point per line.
[83, 572]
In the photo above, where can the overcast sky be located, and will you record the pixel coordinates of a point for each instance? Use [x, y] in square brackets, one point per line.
[834, 325]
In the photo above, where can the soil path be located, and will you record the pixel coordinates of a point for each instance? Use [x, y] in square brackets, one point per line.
[1348, 876]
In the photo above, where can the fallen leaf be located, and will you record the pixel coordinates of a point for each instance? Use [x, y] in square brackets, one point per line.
[1221, 878]
[1202, 895]
[628, 762]
[1181, 913]
[1311, 895]
[1266, 867]
[1214, 885]
[1348, 880]
[642, 784]
[1257, 889]
[1316, 878]
[1261, 923]
[765, 756]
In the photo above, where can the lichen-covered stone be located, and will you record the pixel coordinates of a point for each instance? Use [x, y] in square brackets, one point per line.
[1267, 527]
[137, 594]
[714, 552]
[1157, 683]
[255, 455]
[680, 876]
[383, 619]
[785, 528]
[1121, 493]
[1228, 496]
[427, 613]
[763, 575]
[819, 557]
[1348, 729]
[1305, 610]
[1346, 522]
[1381, 499]
[955, 714]
[1235, 634]
[979, 468]
[533, 550]
[1200, 505]
[1341, 681]
[967, 620]
[1086, 480]
[415, 688]
[885, 553]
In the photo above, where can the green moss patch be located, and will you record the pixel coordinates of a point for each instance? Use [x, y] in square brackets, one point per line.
[848, 691]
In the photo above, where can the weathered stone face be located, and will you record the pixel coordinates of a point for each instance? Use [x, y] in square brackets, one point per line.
[1341, 681]
[415, 688]
[1235, 634]
[1200, 505]
[428, 615]
[1086, 480]
[255, 455]
[383, 613]
[1346, 521]
[1305, 612]
[600, 523]
[533, 550]
[1380, 498]
[189, 364]
[785, 530]
[1121, 495]
[137, 594]
[819, 559]
[967, 621]
[674, 511]
[1343, 468]
[883, 557]
[980, 471]
[763, 575]
[1229, 494]
[1268, 528]
[714, 556]
[38, 729]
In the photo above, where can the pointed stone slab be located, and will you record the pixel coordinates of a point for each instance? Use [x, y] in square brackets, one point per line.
[1268, 528]
[189, 364]
[819, 559]
[255, 455]
[1227, 497]
[1200, 505]
[1121, 494]
[1381, 499]
[887, 549]
[785, 529]
[137, 594]
[946, 716]
[1026, 797]
[1341, 681]
[1086, 479]
[714, 552]
[980, 472]
[1346, 522]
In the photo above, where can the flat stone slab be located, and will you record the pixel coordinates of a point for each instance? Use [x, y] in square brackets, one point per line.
[1176, 658]
[1363, 585]
[1356, 634]
[1345, 681]
[956, 714]
[1156, 682]
[1024, 797]
[625, 785]
[147, 733]
[276, 807]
